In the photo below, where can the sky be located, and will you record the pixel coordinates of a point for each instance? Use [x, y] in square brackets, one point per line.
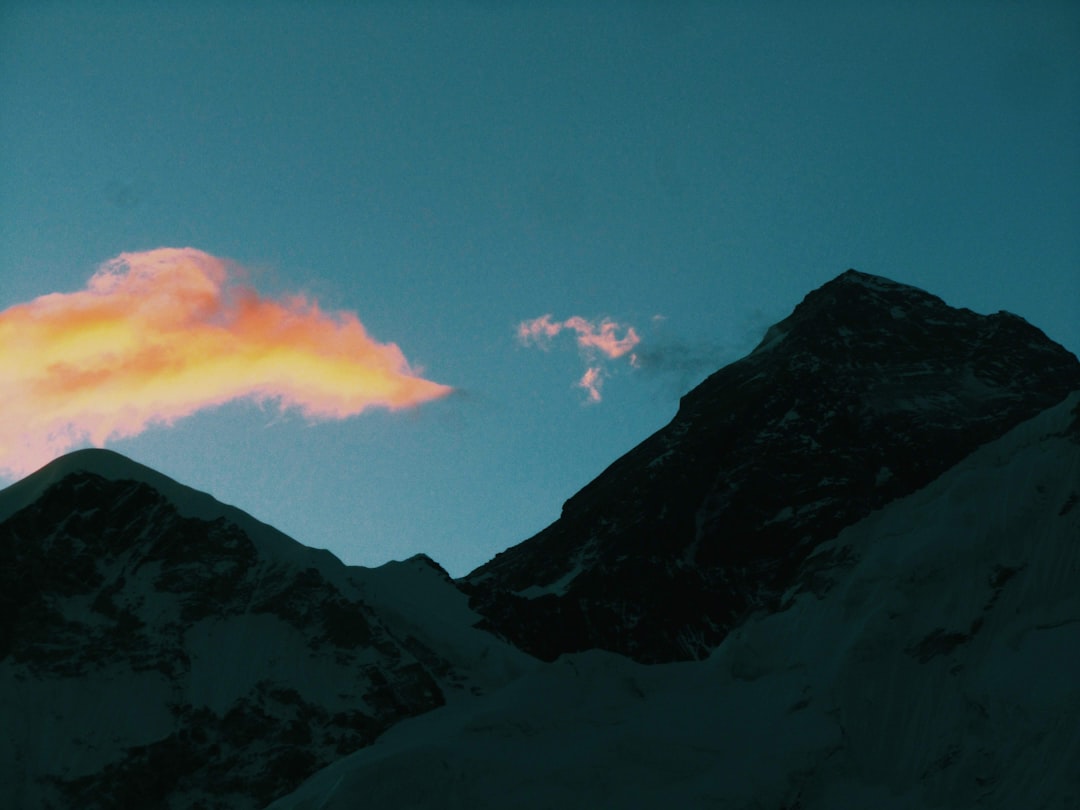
[402, 277]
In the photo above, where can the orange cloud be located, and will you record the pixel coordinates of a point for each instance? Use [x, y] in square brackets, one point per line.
[592, 339]
[159, 335]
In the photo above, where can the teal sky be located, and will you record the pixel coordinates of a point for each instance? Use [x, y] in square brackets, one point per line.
[448, 170]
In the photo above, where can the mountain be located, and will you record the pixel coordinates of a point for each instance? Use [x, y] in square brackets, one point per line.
[843, 576]
[160, 649]
[867, 392]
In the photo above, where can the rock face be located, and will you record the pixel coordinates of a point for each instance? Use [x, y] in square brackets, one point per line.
[868, 391]
[158, 649]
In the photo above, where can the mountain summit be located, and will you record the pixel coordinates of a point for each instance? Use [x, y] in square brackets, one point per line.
[869, 390]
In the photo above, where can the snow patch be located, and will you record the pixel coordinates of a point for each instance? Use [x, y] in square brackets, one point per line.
[773, 337]
[660, 459]
[558, 587]
[787, 513]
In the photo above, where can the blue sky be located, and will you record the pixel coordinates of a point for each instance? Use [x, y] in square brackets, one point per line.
[446, 171]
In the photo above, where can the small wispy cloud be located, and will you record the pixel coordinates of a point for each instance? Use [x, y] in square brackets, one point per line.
[680, 358]
[158, 335]
[591, 381]
[596, 342]
[684, 362]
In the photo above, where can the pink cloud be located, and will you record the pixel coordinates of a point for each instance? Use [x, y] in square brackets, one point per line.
[159, 335]
[538, 331]
[594, 339]
[591, 381]
[600, 337]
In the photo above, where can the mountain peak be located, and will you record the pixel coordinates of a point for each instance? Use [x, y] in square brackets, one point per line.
[873, 293]
[861, 295]
[188, 502]
[852, 305]
[856, 317]
[107, 464]
[853, 276]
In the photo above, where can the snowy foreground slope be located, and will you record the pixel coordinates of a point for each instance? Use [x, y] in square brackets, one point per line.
[930, 657]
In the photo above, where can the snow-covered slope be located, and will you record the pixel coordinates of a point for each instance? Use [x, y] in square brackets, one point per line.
[928, 657]
[417, 599]
[160, 649]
